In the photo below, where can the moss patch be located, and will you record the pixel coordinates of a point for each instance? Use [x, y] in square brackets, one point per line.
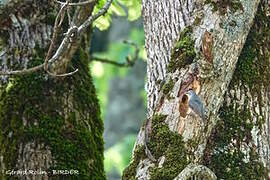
[183, 52]
[253, 66]
[168, 87]
[222, 5]
[162, 142]
[130, 172]
[230, 163]
[73, 133]
[167, 143]
[197, 21]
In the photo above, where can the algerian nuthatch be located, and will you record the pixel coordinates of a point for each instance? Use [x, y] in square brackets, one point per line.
[196, 104]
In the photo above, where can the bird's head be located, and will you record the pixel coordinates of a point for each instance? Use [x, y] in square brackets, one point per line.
[190, 92]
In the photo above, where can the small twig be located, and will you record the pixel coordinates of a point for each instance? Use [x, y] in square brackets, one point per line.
[76, 4]
[57, 24]
[108, 61]
[68, 15]
[3, 52]
[92, 18]
[129, 60]
[137, 50]
[62, 19]
[69, 35]
[63, 75]
[24, 71]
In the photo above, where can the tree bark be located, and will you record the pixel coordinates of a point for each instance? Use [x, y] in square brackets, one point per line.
[46, 123]
[196, 45]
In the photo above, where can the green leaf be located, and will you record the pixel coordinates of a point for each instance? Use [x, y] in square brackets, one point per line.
[134, 11]
[100, 4]
[134, 8]
[117, 9]
[103, 22]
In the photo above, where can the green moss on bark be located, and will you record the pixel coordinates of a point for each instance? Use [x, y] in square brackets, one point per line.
[222, 5]
[168, 87]
[62, 113]
[170, 144]
[130, 172]
[253, 66]
[163, 142]
[227, 162]
[183, 52]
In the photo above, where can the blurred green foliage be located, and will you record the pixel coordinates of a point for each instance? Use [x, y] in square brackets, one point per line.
[118, 8]
[117, 51]
[118, 156]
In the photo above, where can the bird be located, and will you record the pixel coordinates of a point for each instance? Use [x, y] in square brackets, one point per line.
[196, 104]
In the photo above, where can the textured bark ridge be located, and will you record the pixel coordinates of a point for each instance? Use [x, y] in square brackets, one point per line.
[196, 45]
[46, 123]
[25, 27]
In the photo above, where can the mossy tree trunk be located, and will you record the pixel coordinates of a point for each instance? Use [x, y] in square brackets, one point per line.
[241, 139]
[220, 50]
[46, 123]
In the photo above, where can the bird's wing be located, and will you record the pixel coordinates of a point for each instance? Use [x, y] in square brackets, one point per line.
[196, 105]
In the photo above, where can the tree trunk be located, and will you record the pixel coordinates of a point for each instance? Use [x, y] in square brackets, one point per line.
[196, 45]
[242, 137]
[46, 123]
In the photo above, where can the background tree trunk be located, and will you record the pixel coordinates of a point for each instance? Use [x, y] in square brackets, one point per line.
[196, 45]
[46, 123]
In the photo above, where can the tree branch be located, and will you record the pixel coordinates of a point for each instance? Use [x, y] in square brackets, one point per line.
[129, 60]
[71, 36]
[63, 75]
[57, 24]
[76, 4]
[109, 61]
[22, 72]
[91, 19]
